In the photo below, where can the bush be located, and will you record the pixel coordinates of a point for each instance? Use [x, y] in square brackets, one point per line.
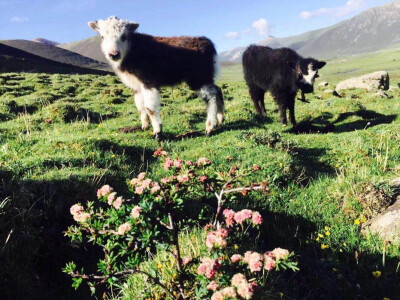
[129, 231]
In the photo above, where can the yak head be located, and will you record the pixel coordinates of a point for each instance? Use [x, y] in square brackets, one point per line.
[307, 72]
[115, 35]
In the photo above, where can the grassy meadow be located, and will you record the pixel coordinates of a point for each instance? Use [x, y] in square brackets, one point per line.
[62, 136]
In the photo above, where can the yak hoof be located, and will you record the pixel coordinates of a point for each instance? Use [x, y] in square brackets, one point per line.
[209, 133]
[157, 136]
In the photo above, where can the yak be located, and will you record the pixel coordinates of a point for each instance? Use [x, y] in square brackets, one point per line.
[282, 72]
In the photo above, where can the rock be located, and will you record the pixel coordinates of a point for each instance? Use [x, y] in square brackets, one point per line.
[330, 93]
[324, 83]
[387, 224]
[396, 183]
[370, 82]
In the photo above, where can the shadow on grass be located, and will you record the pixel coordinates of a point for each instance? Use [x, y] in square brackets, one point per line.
[33, 246]
[323, 124]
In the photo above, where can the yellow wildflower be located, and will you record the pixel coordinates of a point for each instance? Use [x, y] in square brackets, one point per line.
[323, 246]
[236, 246]
[320, 235]
[326, 228]
[159, 266]
[357, 222]
[377, 274]
[327, 233]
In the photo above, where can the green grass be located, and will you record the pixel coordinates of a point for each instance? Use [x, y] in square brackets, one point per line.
[316, 179]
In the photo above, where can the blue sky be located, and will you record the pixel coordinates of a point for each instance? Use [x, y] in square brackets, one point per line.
[229, 23]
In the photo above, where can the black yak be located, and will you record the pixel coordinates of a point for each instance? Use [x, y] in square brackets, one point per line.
[282, 72]
[146, 63]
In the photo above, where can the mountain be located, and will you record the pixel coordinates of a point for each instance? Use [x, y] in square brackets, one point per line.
[16, 60]
[56, 54]
[45, 41]
[372, 30]
[88, 47]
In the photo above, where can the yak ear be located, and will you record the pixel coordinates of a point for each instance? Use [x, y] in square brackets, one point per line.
[320, 64]
[132, 26]
[94, 25]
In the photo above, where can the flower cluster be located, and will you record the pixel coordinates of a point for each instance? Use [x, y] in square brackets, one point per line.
[79, 214]
[217, 239]
[239, 217]
[208, 267]
[240, 287]
[104, 191]
[141, 184]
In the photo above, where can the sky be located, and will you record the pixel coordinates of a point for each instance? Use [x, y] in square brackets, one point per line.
[229, 23]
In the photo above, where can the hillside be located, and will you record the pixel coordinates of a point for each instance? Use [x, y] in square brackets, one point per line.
[16, 60]
[372, 30]
[54, 53]
[89, 47]
[45, 41]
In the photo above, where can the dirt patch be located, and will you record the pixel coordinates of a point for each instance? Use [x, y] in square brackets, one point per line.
[129, 129]
[374, 200]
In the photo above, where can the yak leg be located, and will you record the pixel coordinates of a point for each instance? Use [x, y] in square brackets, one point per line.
[282, 111]
[142, 110]
[257, 95]
[209, 93]
[220, 106]
[152, 105]
[292, 117]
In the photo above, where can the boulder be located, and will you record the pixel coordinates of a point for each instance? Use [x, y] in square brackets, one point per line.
[387, 224]
[370, 82]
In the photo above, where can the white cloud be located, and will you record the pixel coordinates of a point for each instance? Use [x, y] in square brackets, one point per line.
[350, 7]
[261, 26]
[258, 27]
[19, 19]
[232, 35]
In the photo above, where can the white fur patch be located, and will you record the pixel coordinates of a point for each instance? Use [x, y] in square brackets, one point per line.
[130, 80]
[310, 78]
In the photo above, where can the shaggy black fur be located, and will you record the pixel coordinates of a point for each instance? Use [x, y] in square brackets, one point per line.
[159, 61]
[279, 71]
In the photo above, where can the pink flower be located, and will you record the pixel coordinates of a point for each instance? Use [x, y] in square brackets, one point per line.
[186, 260]
[255, 262]
[165, 180]
[156, 187]
[124, 228]
[229, 215]
[81, 217]
[256, 218]
[111, 198]
[160, 152]
[203, 161]
[103, 191]
[243, 215]
[139, 190]
[168, 163]
[146, 183]
[216, 239]
[134, 181]
[117, 203]
[238, 280]
[177, 164]
[207, 227]
[135, 213]
[183, 178]
[218, 296]
[203, 178]
[236, 258]
[280, 254]
[269, 262]
[212, 286]
[76, 209]
[189, 163]
[208, 267]
[256, 168]
[141, 176]
[229, 292]
[245, 291]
